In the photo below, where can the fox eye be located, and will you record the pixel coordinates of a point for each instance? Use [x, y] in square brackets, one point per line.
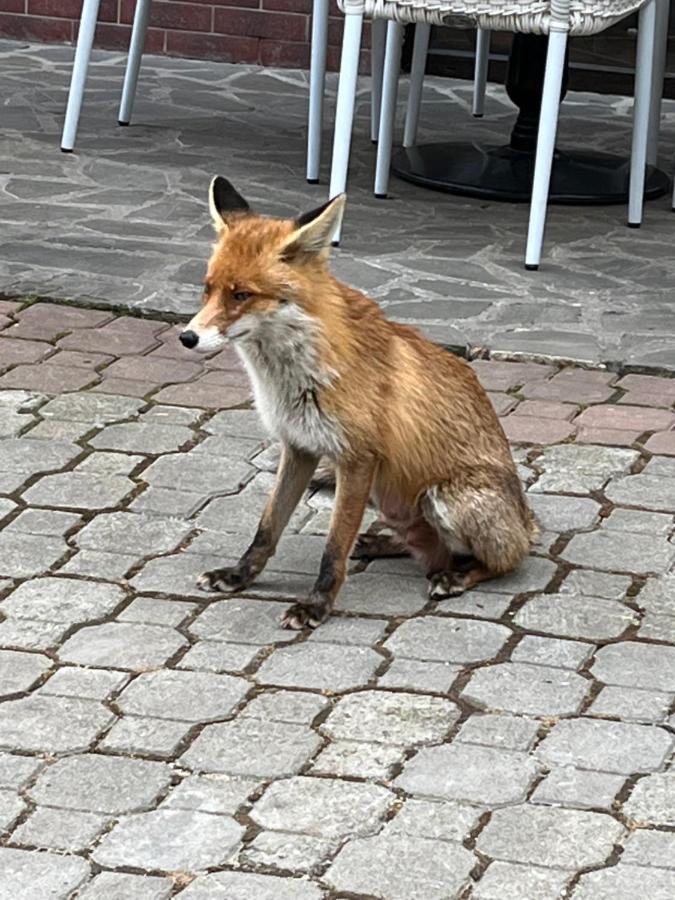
[240, 296]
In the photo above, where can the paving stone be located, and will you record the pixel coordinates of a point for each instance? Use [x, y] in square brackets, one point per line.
[357, 759]
[611, 437]
[638, 521]
[285, 706]
[596, 584]
[150, 611]
[653, 800]
[49, 379]
[201, 393]
[245, 885]
[25, 555]
[43, 521]
[16, 770]
[171, 415]
[186, 696]
[469, 772]
[198, 473]
[177, 575]
[651, 848]
[664, 442]
[213, 656]
[565, 389]
[567, 786]
[321, 807]
[579, 470]
[573, 615]
[560, 838]
[91, 408]
[659, 628]
[442, 821]
[211, 793]
[120, 886]
[523, 688]
[533, 574]
[324, 666]
[551, 652]
[122, 532]
[54, 829]
[451, 640]
[296, 852]
[606, 746]
[658, 595]
[365, 632]
[152, 368]
[166, 502]
[644, 490]
[11, 807]
[382, 595]
[136, 734]
[29, 874]
[104, 463]
[170, 840]
[613, 551]
[241, 621]
[557, 513]
[51, 724]
[239, 423]
[122, 645]
[419, 675]
[404, 867]
[528, 430]
[30, 634]
[112, 566]
[66, 600]
[94, 684]
[632, 705]
[57, 430]
[503, 376]
[492, 730]
[252, 748]
[139, 437]
[482, 604]
[390, 718]
[511, 881]
[20, 671]
[74, 490]
[623, 882]
[636, 666]
[103, 784]
[49, 320]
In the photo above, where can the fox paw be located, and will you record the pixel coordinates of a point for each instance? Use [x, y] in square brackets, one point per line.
[226, 580]
[446, 584]
[305, 615]
[377, 546]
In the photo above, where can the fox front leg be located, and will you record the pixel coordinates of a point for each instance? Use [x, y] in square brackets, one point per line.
[295, 471]
[354, 481]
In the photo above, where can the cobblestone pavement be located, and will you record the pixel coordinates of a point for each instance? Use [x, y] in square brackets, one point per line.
[122, 220]
[512, 744]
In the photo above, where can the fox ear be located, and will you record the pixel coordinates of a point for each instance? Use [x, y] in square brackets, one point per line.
[224, 200]
[314, 230]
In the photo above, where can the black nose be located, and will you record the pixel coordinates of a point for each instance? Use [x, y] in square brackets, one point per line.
[189, 339]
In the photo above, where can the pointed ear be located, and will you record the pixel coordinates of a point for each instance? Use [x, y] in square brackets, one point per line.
[314, 230]
[224, 201]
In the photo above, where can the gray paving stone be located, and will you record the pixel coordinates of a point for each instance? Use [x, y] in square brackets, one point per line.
[450, 640]
[239, 423]
[240, 448]
[560, 838]
[524, 688]
[658, 628]
[251, 747]
[492, 730]
[20, 671]
[401, 867]
[6, 507]
[112, 566]
[30, 634]
[650, 848]
[199, 473]
[170, 840]
[51, 724]
[223, 545]
[643, 490]
[658, 595]
[151, 611]
[419, 675]
[653, 800]
[596, 584]
[557, 513]
[43, 521]
[552, 652]
[137, 734]
[32, 875]
[186, 696]
[382, 594]
[239, 620]
[102, 784]
[11, 807]
[623, 882]
[574, 615]
[579, 469]
[177, 575]
[143, 437]
[160, 501]
[66, 600]
[636, 665]
[632, 705]
[94, 684]
[120, 886]
[122, 645]
[533, 574]
[442, 821]
[639, 521]
[568, 786]
[357, 759]
[245, 885]
[285, 706]
[122, 532]
[612, 550]
[56, 430]
[35, 457]
[482, 604]
[102, 463]
[16, 770]
[25, 555]
[512, 881]
[322, 807]
[74, 490]
[469, 772]
[214, 656]
[98, 409]
[390, 718]
[365, 632]
[55, 829]
[291, 852]
[238, 514]
[158, 414]
[323, 666]
[211, 793]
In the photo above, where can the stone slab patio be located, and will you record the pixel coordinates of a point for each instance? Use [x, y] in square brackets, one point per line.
[515, 743]
[121, 222]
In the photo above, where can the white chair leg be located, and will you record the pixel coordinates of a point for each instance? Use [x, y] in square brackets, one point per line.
[480, 71]
[661, 38]
[548, 125]
[136, 45]
[378, 36]
[392, 68]
[85, 39]
[317, 88]
[643, 90]
[419, 64]
[344, 111]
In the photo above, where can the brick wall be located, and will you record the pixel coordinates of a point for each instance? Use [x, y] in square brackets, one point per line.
[270, 32]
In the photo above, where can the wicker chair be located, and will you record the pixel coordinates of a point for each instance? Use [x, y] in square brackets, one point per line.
[557, 18]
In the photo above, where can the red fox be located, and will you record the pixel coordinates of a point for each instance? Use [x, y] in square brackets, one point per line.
[403, 421]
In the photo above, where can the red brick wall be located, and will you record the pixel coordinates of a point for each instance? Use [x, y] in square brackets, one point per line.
[270, 32]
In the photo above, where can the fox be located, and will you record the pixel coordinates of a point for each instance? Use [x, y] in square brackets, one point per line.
[404, 423]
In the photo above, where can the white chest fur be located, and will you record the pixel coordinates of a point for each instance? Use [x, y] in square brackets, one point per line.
[286, 376]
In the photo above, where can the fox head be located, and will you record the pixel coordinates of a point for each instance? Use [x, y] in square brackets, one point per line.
[262, 270]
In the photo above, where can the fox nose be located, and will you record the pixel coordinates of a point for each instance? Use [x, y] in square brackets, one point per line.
[189, 339]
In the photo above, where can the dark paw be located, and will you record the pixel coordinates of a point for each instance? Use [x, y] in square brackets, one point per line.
[377, 546]
[305, 615]
[446, 584]
[225, 580]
